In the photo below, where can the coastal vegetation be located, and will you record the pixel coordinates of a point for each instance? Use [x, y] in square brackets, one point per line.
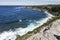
[53, 9]
[37, 29]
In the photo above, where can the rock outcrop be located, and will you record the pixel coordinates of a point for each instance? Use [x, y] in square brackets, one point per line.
[50, 32]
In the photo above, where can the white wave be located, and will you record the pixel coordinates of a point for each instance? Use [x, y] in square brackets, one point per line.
[49, 14]
[19, 7]
[20, 20]
[21, 31]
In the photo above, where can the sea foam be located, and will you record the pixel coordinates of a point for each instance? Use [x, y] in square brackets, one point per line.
[6, 35]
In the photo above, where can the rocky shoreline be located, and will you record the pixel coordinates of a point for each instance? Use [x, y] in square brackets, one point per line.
[44, 32]
[50, 32]
[38, 29]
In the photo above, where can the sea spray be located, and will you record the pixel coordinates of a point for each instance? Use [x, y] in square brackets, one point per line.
[6, 35]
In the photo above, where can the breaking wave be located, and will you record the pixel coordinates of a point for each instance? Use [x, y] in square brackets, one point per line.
[6, 35]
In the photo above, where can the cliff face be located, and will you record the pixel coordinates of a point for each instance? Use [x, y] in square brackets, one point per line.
[50, 32]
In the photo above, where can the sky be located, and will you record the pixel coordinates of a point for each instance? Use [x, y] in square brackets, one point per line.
[28, 2]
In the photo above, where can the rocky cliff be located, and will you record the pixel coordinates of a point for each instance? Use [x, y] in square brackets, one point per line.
[50, 32]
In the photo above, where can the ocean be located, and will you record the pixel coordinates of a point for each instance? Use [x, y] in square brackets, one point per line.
[16, 20]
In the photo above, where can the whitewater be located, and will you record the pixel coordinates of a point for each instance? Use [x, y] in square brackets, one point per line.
[6, 35]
